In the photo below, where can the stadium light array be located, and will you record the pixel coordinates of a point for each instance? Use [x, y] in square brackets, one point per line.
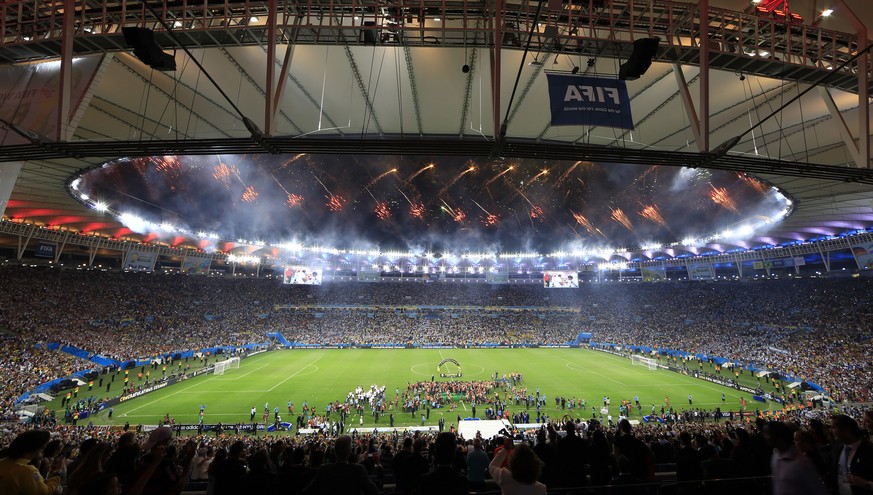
[243, 259]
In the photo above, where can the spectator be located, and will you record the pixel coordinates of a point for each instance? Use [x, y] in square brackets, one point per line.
[341, 477]
[793, 474]
[521, 476]
[19, 475]
[444, 480]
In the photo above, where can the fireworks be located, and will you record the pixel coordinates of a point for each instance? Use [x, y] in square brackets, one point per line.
[419, 172]
[536, 213]
[490, 220]
[457, 214]
[753, 183]
[223, 172]
[168, 165]
[720, 196]
[581, 220]
[456, 179]
[652, 213]
[249, 195]
[533, 179]
[621, 218]
[335, 202]
[292, 160]
[501, 174]
[416, 210]
[382, 211]
[294, 200]
[568, 172]
[380, 177]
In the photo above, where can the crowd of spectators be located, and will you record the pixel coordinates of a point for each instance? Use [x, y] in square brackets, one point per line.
[814, 329]
[808, 452]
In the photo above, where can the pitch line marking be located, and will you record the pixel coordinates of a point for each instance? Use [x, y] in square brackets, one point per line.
[295, 374]
[243, 375]
[166, 396]
[585, 370]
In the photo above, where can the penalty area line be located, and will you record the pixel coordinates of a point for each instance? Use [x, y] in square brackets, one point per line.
[295, 374]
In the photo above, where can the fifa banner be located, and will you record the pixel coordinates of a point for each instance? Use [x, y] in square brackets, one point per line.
[29, 96]
[143, 261]
[700, 271]
[584, 100]
[560, 280]
[863, 255]
[46, 250]
[195, 265]
[302, 275]
[654, 273]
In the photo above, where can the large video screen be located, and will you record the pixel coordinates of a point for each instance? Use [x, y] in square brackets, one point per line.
[560, 280]
[302, 275]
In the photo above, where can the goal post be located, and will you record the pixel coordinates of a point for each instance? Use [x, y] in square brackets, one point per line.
[644, 361]
[227, 364]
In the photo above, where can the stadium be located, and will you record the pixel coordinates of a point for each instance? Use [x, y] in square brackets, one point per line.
[578, 246]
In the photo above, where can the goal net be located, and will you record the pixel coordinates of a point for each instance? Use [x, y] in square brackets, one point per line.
[644, 361]
[227, 364]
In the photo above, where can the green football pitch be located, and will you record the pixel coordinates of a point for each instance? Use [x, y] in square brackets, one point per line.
[328, 375]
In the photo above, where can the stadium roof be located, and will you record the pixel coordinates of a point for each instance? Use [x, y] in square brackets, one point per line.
[404, 92]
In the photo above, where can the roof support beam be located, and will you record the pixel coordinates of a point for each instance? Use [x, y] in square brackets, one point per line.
[688, 104]
[863, 86]
[845, 132]
[269, 102]
[61, 247]
[497, 19]
[23, 245]
[703, 115]
[64, 131]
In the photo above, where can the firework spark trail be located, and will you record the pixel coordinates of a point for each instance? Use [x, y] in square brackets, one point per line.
[721, 197]
[621, 218]
[278, 183]
[454, 180]
[589, 227]
[322, 185]
[380, 177]
[652, 213]
[567, 173]
[448, 208]
[501, 174]
[405, 196]
[419, 172]
[533, 179]
[753, 182]
[293, 200]
[519, 193]
[480, 207]
[292, 160]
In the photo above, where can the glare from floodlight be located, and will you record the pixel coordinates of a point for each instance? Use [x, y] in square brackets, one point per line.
[100, 206]
[827, 12]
